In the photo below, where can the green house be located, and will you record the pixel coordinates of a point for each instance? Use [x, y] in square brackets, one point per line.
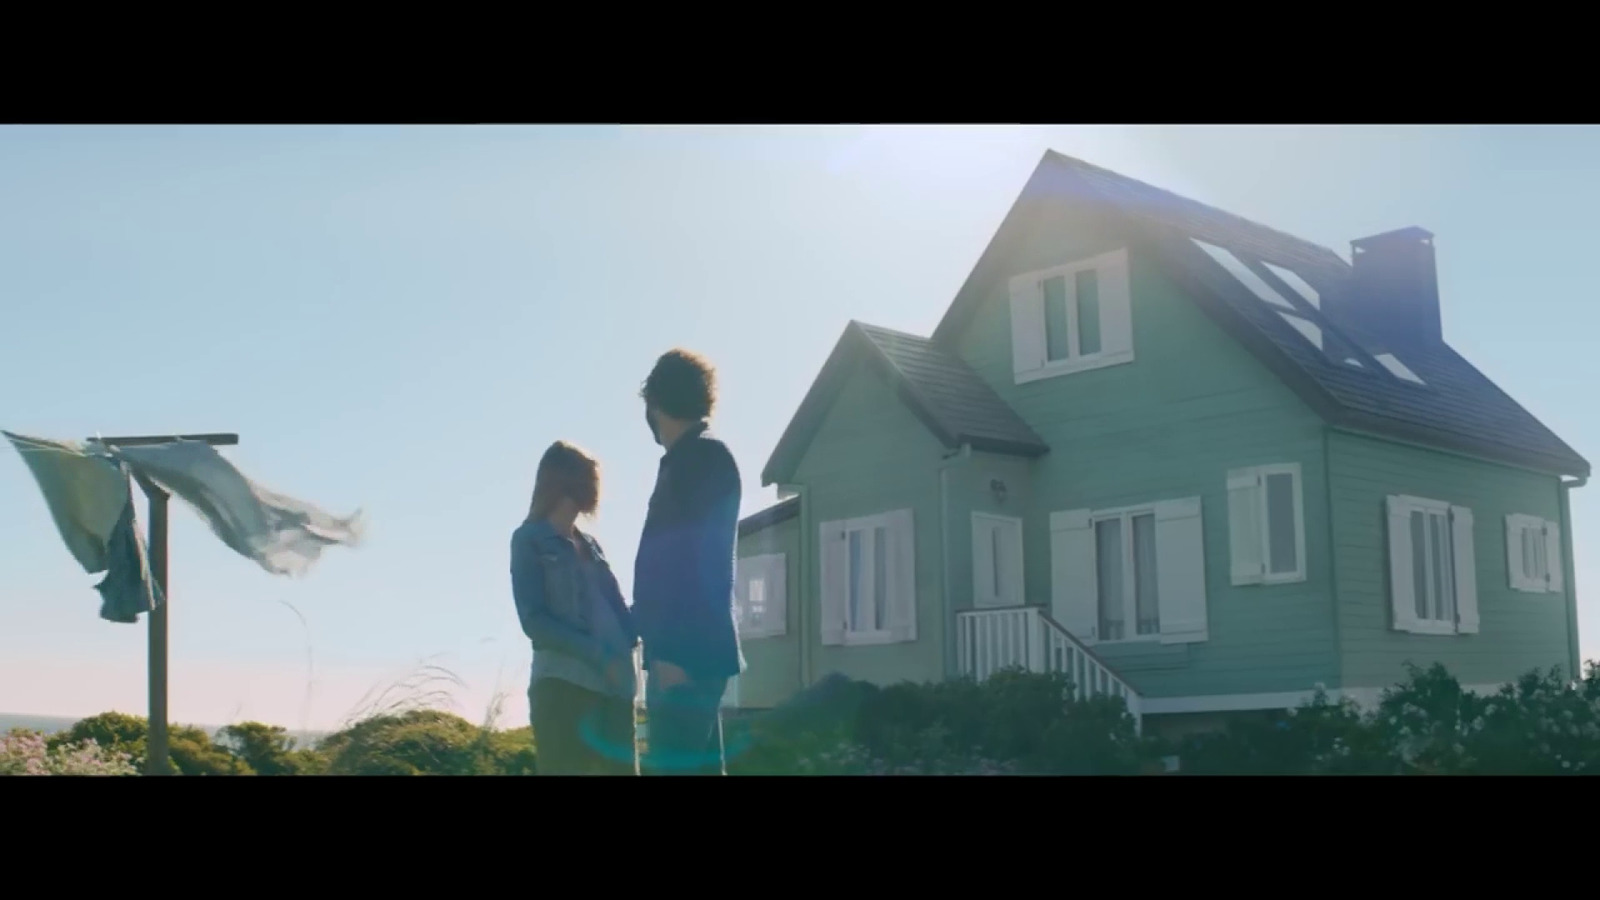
[1185, 458]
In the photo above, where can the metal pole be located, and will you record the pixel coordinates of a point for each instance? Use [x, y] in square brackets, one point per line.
[156, 741]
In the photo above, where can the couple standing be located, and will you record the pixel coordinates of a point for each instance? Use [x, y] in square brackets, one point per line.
[583, 684]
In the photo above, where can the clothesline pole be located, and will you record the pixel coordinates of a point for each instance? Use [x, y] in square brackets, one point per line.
[156, 742]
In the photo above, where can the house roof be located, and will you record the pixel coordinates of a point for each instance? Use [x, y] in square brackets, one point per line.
[1455, 407]
[944, 393]
[782, 511]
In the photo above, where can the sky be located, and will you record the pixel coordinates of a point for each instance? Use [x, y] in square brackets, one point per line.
[400, 319]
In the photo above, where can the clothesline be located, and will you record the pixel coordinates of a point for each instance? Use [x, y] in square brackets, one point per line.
[86, 486]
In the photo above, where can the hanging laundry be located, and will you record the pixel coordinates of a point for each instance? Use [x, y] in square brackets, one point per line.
[86, 485]
[283, 535]
[91, 502]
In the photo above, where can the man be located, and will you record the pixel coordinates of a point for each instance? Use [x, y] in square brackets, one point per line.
[683, 577]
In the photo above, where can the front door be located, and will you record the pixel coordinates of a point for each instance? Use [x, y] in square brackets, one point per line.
[996, 561]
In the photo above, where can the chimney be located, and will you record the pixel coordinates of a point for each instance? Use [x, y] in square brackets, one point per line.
[1395, 294]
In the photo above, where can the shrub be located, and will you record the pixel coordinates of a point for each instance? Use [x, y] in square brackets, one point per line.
[1320, 738]
[24, 752]
[416, 742]
[1541, 724]
[1012, 723]
[189, 750]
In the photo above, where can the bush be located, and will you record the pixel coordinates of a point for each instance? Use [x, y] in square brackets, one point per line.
[189, 750]
[418, 742]
[1012, 723]
[1541, 724]
[1319, 738]
[24, 752]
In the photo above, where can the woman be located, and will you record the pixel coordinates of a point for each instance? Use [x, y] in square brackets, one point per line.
[582, 689]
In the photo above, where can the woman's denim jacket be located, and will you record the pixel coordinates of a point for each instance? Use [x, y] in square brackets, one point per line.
[548, 586]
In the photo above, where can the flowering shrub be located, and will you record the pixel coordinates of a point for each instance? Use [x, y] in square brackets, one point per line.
[29, 753]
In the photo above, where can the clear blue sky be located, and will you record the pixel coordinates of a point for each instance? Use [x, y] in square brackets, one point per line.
[401, 318]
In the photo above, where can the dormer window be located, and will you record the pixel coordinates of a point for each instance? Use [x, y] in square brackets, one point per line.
[1071, 318]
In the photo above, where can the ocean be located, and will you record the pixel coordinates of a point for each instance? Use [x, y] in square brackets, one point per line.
[53, 724]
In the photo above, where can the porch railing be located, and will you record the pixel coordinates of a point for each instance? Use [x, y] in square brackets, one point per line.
[1025, 637]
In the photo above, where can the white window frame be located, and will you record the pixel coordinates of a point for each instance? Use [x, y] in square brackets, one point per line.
[1130, 596]
[1263, 513]
[1544, 536]
[771, 571]
[868, 528]
[1031, 361]
[1463, 614]
[1180, 571]
[899, 580]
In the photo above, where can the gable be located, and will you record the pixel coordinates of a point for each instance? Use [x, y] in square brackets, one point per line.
[1340, 368]
[943, 393]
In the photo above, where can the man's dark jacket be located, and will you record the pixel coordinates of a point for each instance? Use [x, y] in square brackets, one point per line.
[683, 577]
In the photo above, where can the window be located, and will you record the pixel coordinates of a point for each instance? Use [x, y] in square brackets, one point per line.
[867, 609]
[1432, 574]
[1308, 329]
[1303, 321]
[1266, 525]
[1133, 574]
[868, 580]
[1125, 576]
[1071, 318]
[760, 608]
[1296, 283]
[1245, 275]
[1533, 554]
[1397, 368]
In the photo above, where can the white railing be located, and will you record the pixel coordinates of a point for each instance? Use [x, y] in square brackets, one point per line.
[1024, 637]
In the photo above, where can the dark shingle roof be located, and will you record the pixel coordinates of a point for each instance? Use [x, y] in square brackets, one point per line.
[782, 511]
[967, 409]
[1457, 408]
[956, 405]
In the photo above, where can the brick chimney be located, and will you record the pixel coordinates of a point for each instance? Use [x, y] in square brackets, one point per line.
[1395, 294]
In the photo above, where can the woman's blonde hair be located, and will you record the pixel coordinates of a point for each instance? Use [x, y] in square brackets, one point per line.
[565, 471]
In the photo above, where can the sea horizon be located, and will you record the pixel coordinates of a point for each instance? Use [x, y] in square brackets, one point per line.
[54, 724]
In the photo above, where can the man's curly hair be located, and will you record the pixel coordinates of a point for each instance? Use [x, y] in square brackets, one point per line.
[682, 385]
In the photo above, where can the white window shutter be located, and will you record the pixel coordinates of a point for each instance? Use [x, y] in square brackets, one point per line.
[834, 581]
[1553, 556]
[1072, 581]
[901, 558]
[1245, 527]
[777, 615]
[983, 593]
[1028, 350]
[1116, 304]
[1181, 571]
[1402, 589]
[1513, 554]
[1466, 570]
